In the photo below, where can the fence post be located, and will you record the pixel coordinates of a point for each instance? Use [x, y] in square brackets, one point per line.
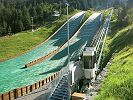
[41, 83]
[11, 95]
[28, 90]
[23, 91]
[18, 92]
[6, 96]
[33, 87]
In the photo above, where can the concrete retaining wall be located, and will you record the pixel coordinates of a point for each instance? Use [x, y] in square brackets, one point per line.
[11, 95]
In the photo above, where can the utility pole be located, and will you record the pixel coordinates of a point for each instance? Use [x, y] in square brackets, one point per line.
[68, 34]
[68, 46]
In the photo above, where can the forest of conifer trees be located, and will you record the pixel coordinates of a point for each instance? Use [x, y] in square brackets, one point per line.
[16, 15]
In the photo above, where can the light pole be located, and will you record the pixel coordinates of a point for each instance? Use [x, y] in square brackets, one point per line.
[68, 35]
[68, 47]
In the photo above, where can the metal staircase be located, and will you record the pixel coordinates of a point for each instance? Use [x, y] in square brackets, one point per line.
[61, 92]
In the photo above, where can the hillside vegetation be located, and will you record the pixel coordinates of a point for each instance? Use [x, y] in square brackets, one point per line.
[17, 16]
[119, 83]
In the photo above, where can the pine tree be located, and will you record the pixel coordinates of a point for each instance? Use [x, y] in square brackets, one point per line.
[19, 15]
[1, 30]
[39, 11]
[26, 18]
[9, 30]
[33, 12]
[4, 28]
[19, 26]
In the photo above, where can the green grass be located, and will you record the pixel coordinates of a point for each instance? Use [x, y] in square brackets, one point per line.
[11, 46]
[119, 83]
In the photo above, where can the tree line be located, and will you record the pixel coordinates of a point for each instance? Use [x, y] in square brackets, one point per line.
[124, 13]
[17, 15]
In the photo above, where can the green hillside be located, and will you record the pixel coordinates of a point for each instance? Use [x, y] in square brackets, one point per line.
[119, 83]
